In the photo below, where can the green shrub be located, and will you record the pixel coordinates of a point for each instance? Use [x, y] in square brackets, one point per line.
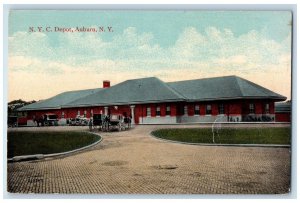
[27, 143]
[228, 135]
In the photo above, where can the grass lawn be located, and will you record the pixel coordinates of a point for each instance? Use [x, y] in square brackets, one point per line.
[228, 135]
[27, 143]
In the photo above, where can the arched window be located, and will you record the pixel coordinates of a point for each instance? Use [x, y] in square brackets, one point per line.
[158, 111]
[148, 111]
[251, 108]
[221, 108]
[267, 108]
[168, 111]
[185, 110]
[197, 110]
[208, 109]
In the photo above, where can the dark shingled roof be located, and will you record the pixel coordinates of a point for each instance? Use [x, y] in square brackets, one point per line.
[144, 90]
[153, 90]
[220, 88]
[57, 101]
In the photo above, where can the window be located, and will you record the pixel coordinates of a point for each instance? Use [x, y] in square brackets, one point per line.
[63, 114]
[221, 108]
[267, 108]
[208, 109]
[84, 113]
[22, 114]
[148, 111]
[185, 110]
[168, 111]
[251, 108]
[157, 111]
[197, 110]
[92, 112]
[78, 113]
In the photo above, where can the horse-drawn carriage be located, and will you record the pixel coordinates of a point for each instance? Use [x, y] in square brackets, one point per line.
[48, 119]
[111, 122]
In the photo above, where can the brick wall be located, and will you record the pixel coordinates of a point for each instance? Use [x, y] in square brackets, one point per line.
[283, 117]
[233, 108]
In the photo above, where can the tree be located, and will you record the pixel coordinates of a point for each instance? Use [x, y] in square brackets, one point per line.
[12, 106]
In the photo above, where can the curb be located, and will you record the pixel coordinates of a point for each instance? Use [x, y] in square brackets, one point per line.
[42, 156]
[220, 145]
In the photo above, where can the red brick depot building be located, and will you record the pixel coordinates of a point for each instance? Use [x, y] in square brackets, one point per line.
[152, 101]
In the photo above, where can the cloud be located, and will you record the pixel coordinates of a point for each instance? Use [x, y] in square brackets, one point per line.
[88, 57]
[215, 44]
[210, 45]
[236, 61]
[34, 65]
[30, 44]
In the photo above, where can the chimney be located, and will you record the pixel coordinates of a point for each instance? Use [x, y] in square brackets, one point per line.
[106, 83]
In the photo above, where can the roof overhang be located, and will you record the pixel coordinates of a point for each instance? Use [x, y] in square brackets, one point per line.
[153, 102]
[236, 98]
[124, 103]
[38, 109]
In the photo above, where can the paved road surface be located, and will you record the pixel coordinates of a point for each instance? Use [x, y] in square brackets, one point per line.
[133, 162]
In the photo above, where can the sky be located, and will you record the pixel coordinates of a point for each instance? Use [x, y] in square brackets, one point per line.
[170, 45]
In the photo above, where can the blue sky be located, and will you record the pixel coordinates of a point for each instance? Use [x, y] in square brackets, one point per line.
[171, 45]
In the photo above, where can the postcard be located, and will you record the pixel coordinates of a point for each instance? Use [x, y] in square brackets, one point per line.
[149, 102]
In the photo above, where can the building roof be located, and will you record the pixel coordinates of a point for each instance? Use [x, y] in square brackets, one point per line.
[144, 90]
[282, 107]
[153, 90]
[222, 88]
[59, 100]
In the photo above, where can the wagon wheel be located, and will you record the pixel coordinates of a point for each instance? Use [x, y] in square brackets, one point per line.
[104, 126]
[108, 126]
[122, 126]
[119, 127]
